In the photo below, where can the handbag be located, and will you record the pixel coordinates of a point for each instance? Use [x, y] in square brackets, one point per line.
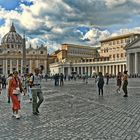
[16, 91]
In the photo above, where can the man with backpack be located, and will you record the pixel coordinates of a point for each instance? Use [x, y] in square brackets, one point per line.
[35, 85]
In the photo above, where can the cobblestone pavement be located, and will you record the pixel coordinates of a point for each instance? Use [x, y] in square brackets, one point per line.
[76, 112]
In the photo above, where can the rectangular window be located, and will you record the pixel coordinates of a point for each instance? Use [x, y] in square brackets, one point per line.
[113, 55]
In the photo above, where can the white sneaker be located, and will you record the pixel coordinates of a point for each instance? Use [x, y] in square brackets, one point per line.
[17, 116]
[13, 115]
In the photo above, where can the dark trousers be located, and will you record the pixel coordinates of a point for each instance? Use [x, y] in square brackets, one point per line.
[107, 81]
[125, 87]
[36, 93]
[100, 90]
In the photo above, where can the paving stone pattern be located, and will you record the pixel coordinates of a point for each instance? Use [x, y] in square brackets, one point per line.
[75, 112]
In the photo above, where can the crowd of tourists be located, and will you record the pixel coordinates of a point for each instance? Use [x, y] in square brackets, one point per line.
[121, 80]
[30, 84]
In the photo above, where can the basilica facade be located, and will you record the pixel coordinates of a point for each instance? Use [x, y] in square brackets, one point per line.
[11, 55]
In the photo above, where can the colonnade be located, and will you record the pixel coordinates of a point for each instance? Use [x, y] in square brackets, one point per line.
[17, 64]
[133, 60]
[90, 70]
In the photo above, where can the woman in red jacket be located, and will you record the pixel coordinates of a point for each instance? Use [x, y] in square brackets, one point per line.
[14, 89]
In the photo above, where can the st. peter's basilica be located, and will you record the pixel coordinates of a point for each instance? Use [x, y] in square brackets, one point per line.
[14, 57]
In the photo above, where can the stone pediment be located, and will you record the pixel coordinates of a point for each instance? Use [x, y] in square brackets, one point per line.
[133, 45]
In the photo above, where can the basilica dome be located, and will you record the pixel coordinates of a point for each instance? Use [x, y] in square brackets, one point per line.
[12, 37]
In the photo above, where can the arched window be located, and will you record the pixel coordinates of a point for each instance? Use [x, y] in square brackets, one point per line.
[41, 52]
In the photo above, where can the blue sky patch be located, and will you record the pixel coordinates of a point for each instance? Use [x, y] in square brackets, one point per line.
[2, 21]
[83, 29]
[9, 4]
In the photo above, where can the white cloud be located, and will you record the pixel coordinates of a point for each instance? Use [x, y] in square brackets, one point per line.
[57, 20]
[95, 35]
[112, 3]
[6, 15]
[126, 31]
[34, 42]
[4, 28]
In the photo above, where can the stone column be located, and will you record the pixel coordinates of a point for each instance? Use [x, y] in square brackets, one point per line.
[21, 66]
[103, 70]
[109, 69]
[136, 63]
[62, 69]
[95, 69]
[99, 68]
[78, 70]
[117, 69]
[113, 70]
[69, 70]
[45, 66]
[123, 68]
[30, 66]
[88, 71]
[6, 71]
[3, 65]
[81, 70]
[11, 70]
[128, 63]
[17, 65]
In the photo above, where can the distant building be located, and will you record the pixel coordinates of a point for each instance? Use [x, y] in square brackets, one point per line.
[11, 55]
[69, 55]
[109, 58]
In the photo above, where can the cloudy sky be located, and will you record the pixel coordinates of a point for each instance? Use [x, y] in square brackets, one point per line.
[53, 22]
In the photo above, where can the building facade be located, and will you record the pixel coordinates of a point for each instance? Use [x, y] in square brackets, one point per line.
[133, 57]
[11, 55]
[109, 58]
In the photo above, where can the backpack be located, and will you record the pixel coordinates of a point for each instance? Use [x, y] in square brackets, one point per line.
[101, 81]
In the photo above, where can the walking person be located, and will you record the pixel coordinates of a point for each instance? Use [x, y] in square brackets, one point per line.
[61, 79]
[0, 83]
[3, 81]
[29, 92]
[100, 83]
[35, 85]
[7, 81]
[86, 78]
[107, 78]
[14, 90]
[125, 84]
[119, 82]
